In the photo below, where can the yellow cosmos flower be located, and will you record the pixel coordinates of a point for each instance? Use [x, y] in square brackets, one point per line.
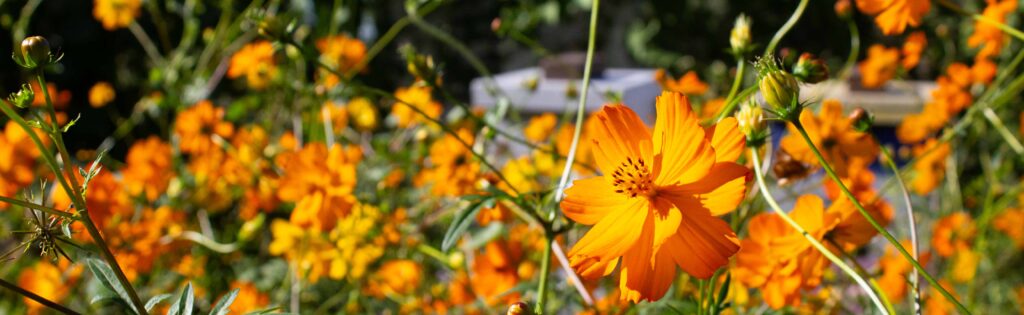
[656, 203]
[418, 97]
[255, 61]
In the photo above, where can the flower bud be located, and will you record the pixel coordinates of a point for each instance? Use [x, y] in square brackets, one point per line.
[519, 308]
[24, 97]
[421, 66]
[751, 119]
[778, 87]
[251, 228]
[861, 119]
[739, 37]
[273, 27]
[456, 259]
[810, 69]
[35, 51]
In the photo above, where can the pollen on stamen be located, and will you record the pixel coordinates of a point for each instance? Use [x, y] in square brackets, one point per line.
[633, 178]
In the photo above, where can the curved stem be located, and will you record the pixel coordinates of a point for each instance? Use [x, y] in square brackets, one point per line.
[741, 65]
[874, 223]
[814, 242]
[35, 297]
[860, 270]
[915, 278]
[851, 59]
[786, 27]
[581, 108]
[730, 106]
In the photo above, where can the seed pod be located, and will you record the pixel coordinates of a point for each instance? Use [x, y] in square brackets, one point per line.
[810, 69]
[519, 308]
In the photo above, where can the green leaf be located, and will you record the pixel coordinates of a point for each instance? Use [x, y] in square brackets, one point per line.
[723, 292]
[103, 295]
[71, 123]
[224, 305]
[265, 311]
[462, 221]
[184, 304]
[156, 300]
[106, 276]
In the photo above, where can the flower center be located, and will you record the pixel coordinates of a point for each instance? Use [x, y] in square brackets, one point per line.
[633, 178]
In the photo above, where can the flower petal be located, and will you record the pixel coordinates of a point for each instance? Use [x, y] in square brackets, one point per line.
[719, 193]
[703, 244]
[645, 274]
[727, 140]
[587, 201]
[683, 155]
[608, 239]
[620, 133]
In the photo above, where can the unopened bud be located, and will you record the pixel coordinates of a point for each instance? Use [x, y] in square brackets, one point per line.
[496, 24]
[531, 83]
[272, 27]
[739, 37]
[778, 87]
[519, 308]
[456, 259]
[251, 228]
[421, 66]
[810, 69]
[571, 92]
[861, 119]
[24, 97]
[35, 51]
[751, 122]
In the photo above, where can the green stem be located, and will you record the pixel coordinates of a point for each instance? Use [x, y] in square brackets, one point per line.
[874, 223]
[741, 66]
[915, 278]
[35, 297]
[459, 47]
[860, 270]
[78, 198]
[730, 106]
[386, 39]
[851, 59]
[1005, 28]
[545, 268]
[42, 208]
[814, 242]
[786, 27]
[1003, 131]
[146, 42]
[581, 107]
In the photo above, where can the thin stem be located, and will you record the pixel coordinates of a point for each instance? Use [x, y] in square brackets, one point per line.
[147, 43]
[730, 106]
[1002, 26]
[786, 27]
[874, 223]
[814, 242]
[42, 208]
[1003, 131]
[581, 108]
[386, 39]
[741, 66]
[915, 278]
[77, 198]
[564, 262]
[35, 297]
[545, 268]
[860, 270]
[851, 59]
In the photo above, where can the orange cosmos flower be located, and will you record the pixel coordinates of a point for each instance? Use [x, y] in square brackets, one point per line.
[340, 52]
[893, 16]
[986, 33]
[249, 298]
[255, 61]
[1011, 223]
[952, 233]
[936, 304]
[320, 182]
[18, 156]
[931, 167]
[539, 128]
[853, 230]
[778, 260]
[497, 270]
[47, 280]
[453, 170]
[879, 67]
[60, 99]
[711, 108]
[895, 271]
[834, 135]
[148, 168]
[912, 49]
[115, 14]
[656, 203]
[197, 125]
[689, 83]
[415, 96]
[396, 277]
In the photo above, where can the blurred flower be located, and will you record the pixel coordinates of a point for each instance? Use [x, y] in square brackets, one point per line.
[60, 99]
[986, 32]
[854, 230]
[341, 53]
[540, 127]
[147, 170]
[362, 113]
[950, 98]
[249, 298]
[140, 244]
[893, 16]
[688, 84]
[739, 37]
[115, 14]
[101, 94]
[711, 108]
[842, 8]
[660, 201]
[936, 304]
[896, 271]
[105, 199]
[320, 182]
[255, 61]
[913, 46]
[396, 277]
[879, 67]
[495, 271]
[835, 137]
[930, 167]
[418, 97]
[47, 281]
[1011, 223]
[197, 125]
[18, 156]
[453, 170]
[778, 260]
[953, 233]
